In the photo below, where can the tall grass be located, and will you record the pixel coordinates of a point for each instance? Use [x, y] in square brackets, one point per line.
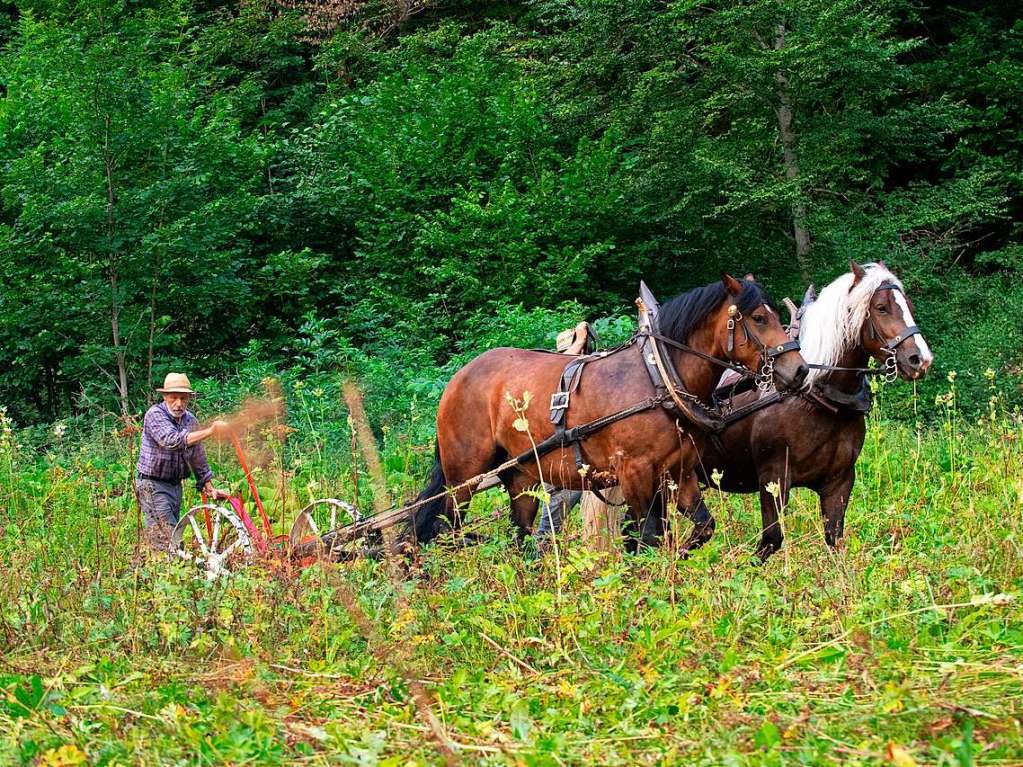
[905, 644]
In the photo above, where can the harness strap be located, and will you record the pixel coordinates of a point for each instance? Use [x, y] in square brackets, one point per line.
[695, 352]
[822, 394]
[570, 378]
[746, 410]
[566, 437]
[788, 346]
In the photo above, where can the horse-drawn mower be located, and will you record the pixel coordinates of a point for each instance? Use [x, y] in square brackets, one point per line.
[219, 535]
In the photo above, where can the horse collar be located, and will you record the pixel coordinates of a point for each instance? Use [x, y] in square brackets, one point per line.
[859, 402]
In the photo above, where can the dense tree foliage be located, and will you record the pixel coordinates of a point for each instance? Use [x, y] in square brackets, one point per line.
[323, 182]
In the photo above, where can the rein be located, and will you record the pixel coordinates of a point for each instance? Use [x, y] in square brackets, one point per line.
[764, 379]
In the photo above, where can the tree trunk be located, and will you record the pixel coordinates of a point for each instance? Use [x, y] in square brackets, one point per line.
[152, 331]
[154, 281]
[788, 140]
[115, 308]
[50, 375]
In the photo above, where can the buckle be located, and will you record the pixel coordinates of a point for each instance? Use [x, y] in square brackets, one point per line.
[559, 400]
[788, 346]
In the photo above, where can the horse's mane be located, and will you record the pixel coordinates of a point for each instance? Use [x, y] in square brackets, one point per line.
[831, 325]
[684, 313]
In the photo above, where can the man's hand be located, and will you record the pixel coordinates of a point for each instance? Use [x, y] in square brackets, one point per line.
[214, 492]
[218, 428]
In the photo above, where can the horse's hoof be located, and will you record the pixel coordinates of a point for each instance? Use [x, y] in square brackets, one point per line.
[765, 551]
[460, 540]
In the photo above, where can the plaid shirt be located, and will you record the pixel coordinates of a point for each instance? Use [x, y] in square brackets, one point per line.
[164, 453]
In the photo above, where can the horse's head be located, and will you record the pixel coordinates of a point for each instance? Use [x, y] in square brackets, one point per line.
[889, 333]
[748, 331]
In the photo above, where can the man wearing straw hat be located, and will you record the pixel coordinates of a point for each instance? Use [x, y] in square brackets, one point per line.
[171, 450]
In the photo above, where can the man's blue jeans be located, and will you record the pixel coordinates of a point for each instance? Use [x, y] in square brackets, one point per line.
[551, 517]
[161, 509]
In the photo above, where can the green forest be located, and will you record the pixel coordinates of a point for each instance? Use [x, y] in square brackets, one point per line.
[392, 187]
[322, 210]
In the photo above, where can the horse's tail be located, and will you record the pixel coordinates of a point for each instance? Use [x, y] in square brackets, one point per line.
[426, 519]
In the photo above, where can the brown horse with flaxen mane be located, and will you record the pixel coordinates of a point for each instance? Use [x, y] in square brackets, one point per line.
[724, 323]
[813, 438]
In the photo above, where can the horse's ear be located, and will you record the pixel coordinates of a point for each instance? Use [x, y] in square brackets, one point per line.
[749, 277]
[858, 273]
[731, 284]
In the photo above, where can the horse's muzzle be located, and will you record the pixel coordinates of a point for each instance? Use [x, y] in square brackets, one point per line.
[790, 379]
[912, 365]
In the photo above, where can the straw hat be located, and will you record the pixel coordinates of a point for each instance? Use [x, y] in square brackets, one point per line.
[565, 339]
[176, 383]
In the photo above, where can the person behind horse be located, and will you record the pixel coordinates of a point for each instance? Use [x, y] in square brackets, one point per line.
[577, 340]
[171, 449]
[573, 341]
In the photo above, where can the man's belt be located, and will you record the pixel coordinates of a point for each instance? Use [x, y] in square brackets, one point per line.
[176, 480]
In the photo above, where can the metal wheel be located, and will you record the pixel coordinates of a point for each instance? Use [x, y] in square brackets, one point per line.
[212, 538]
[320, 517]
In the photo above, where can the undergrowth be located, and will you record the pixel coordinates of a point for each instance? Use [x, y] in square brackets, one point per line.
[905, 645]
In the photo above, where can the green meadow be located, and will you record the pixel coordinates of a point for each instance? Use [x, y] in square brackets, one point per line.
[903, 646]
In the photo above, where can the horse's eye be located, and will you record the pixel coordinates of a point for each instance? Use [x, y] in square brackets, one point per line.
[759, 319]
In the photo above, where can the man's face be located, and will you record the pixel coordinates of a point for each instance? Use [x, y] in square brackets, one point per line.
[177, 404]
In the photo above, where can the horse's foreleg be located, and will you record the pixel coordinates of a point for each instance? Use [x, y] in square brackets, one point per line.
[523, 505]
[638, 492]
[656, 519]
[771, 535]
[834, 498]
[774, 497]
[690, 502]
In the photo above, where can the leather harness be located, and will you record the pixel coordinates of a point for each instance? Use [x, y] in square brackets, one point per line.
[823, 394]
[670, 391]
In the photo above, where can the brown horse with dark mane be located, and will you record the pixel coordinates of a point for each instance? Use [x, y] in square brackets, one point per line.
[813, 439]
[730, 322]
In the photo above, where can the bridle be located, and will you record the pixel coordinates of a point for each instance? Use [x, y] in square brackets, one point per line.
[765, 378]
[889, 369]
[889, 345]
